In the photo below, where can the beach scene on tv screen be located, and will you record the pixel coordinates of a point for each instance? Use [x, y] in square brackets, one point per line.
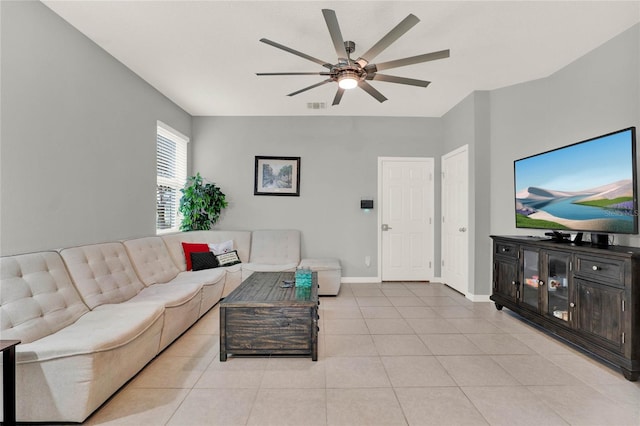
[582, 187]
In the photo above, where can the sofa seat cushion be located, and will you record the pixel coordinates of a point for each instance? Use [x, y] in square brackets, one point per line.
[204, 277]
[102, 273]
[169, 295]
[182, 302]
[105, 328]
[212, 282]
[37, 297]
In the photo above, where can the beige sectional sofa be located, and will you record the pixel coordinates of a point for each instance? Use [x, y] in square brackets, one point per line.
[80, 311]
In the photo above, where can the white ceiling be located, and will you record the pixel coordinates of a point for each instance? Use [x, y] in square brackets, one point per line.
[203, 55]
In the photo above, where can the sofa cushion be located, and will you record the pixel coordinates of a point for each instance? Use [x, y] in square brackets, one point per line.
[219, 248]
[151, 260]
[102, 273]
[206, 260]
[241, 243]
[105, 328]
[37, 297]
[228, 259]
[275, 247]
[189, 248]
[321, 264]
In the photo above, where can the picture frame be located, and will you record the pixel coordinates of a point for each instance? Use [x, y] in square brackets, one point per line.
[277, 176]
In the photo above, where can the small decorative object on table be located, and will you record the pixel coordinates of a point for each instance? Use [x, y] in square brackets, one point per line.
[303, 277]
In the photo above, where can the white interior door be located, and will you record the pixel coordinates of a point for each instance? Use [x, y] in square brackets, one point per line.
[455, 219]
[406, 218]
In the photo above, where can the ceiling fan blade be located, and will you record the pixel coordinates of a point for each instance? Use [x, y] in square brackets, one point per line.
[293, 73]
[295, 52]
[372, 91]
[397, 32]
[408, 61]
[311, 87]
[334, 31]
[400, 80]
[338, 96]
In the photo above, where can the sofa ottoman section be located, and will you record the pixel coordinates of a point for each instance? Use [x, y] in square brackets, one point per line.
[329, 274]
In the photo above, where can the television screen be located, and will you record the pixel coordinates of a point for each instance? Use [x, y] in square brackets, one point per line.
[589, 186]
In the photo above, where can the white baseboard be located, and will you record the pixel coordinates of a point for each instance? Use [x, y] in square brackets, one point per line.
[360, 280]
[478, 297]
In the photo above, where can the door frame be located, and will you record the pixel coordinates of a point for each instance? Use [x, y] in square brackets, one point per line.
[461, 149]
[432, 212]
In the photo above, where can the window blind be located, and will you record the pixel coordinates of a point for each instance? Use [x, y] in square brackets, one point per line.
[171, 160]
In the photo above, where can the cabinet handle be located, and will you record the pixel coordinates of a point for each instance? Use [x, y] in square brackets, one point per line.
[573, 305]
[595, 268]
[540, 282]
[505, 249]
[513, 283]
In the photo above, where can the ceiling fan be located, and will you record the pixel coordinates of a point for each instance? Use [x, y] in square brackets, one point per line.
[349, 73]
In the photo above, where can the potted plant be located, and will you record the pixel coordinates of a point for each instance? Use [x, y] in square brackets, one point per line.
[201, 204]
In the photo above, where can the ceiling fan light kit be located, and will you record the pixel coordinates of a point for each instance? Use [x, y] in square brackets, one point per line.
[348, 80]
[350, 74]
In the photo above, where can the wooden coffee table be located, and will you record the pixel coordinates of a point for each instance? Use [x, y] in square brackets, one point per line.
[260, 317]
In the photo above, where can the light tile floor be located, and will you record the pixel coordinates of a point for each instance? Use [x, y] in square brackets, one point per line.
[389, 354]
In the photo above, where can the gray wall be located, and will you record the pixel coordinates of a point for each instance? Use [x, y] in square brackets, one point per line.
[468, 124]
[339, 166]
[78, 137]
[597, 94]
[77, 150]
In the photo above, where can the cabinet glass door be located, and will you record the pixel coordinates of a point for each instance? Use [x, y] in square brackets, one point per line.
[531, 279]
[558, 285]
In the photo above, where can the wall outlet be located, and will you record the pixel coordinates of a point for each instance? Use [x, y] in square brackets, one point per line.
[367, 260]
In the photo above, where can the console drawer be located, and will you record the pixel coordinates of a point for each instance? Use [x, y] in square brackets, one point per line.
[610, 270]
[505, 249]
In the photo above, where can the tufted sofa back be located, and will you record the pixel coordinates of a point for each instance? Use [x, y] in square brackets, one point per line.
[102, 273]
[241, 243]
[37, 297]
[151, 260]
[275, 247]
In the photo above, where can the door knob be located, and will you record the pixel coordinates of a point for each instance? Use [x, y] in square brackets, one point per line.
[385, 227]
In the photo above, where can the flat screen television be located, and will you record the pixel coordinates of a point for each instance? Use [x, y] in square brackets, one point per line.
[589, 186]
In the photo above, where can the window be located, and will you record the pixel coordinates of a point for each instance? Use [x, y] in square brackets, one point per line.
[171, 160]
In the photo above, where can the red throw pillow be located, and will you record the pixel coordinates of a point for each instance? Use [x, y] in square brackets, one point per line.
[193, 248]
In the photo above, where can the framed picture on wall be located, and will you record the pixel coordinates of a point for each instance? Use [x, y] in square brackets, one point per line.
[277, 176]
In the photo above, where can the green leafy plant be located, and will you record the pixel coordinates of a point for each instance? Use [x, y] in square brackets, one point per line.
[200, 204]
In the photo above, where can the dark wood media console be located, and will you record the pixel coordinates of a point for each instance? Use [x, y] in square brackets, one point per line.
[586, 295]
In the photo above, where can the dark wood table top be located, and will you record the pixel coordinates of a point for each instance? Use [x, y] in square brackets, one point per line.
[6, 344]
[268, 289]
